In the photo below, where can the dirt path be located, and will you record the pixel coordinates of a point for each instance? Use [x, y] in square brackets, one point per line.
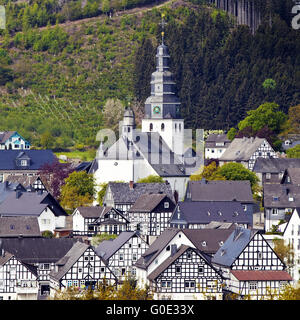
[117, 14]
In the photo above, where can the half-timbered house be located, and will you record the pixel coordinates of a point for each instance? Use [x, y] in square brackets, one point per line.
[250, 266]
[18, 280]
[81, 268]
[89, 221]
[121, 253]
[150, 215]
[123, 195]
[111, 221]
[208, 241]
[186, 274]
[29, 182]
[40, 254]
[247, 150]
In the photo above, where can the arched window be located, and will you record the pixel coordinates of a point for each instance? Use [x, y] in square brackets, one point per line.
[162, 127]
[151, 126]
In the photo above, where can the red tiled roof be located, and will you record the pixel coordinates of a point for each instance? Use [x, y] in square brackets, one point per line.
[261, 275]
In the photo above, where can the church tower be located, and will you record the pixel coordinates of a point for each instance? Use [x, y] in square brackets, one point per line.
[162, 107]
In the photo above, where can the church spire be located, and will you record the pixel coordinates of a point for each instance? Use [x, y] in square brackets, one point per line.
[163, 24]
[163, 102]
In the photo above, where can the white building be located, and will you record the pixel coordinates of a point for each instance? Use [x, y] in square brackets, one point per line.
[158, 149]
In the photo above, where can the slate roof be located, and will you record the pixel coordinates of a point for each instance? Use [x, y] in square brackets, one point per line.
[108, 248]
[241, 149]
[24, 180]
[166, 263]
[7, 187]
[84, 166]
[5, 135]
[38, 158]
[220, 190]
[277, 195]
[37, 250]
[16, 226]
[261, 275]
[147, 202]
[294, 174]
[203, 212]
[66, 262]
[156, 247]
[149, 146]
[207, 241]
[214, 138]
[233, 246]
[275, 165]
[122, 193]
[29, 204]
[90, 212]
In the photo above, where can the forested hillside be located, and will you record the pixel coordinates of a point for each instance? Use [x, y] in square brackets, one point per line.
[56, 78]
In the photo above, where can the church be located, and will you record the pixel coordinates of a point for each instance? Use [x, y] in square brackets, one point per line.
[159, 148]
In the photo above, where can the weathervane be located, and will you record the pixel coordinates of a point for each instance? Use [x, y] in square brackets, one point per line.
[163, 24]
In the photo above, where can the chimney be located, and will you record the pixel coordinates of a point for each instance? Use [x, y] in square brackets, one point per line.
[131, 185]
[173, 249]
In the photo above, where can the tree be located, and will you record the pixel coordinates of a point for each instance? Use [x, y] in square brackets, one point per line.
[47, 140]
[101, 193]
[151, 179]
[269, 84]
[78, 190]
[103, 291]
[232, 133]
[267, 114]
[292, 125]
[293, 152]
[284, 252]
[113, 112]
[236, 171]
[53, 176]
[210, 172]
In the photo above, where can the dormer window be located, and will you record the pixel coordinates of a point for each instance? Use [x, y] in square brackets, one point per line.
[23, 163]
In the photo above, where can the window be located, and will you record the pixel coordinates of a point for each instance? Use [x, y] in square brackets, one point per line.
[200, 269]
[69, 283]
[166, 205]
[102, 269]
[189, 284]
[166, 284]
[23, 163]
[134, 257]
[162, 127]
[268, 176]
[189, 255]
[252, 285]
[121, 257]
[46, 266]
[178, 269]
[245, 207]
[151, 127]
[123, 271]
[80, 270]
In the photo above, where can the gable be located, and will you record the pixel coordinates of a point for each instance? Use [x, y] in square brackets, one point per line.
[258, 255]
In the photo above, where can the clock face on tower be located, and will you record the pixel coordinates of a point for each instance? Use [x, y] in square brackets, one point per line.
[156, 110]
